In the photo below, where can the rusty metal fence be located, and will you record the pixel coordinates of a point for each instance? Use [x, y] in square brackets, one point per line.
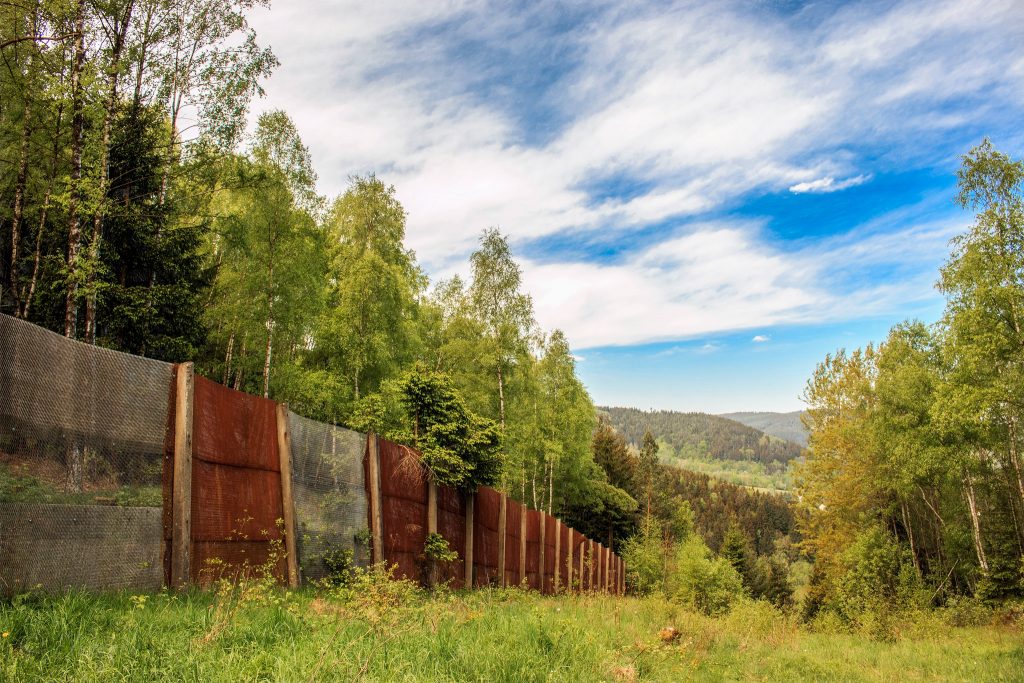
[123, 472]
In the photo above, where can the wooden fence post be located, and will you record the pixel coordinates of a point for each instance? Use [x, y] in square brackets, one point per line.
[502, 519]
[607, 566]
[431, 506]
[558, 556]
[468, 556]
[376, 521]
[284, 453]
[568, 564]
[542, 551]
[590, 561]
[522, 544]
[181, 496]
[582, 553]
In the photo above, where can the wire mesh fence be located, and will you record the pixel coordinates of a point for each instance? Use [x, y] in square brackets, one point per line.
[330, 497]
[90, 494]
[79, 426]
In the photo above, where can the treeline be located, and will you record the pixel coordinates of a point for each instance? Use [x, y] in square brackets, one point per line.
[699, 435]
[695, 539]
[137, 214]
[766, 519]
[913, 490]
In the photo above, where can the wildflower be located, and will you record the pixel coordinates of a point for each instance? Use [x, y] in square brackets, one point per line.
[7, 634]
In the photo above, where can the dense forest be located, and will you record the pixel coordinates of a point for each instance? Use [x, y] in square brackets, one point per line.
[786, 426]
[702, 435]
[913, 488]
[141, 211]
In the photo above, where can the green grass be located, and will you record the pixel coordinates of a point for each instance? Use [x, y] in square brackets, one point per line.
[381, 634]
[24, 488]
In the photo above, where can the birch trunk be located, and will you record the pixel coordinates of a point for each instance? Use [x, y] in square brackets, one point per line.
[77, 126]
[972, 507]
[117, 45]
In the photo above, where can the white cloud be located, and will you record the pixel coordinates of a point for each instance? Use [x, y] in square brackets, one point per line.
[699, 104]
[828, 184]
[727, 276]
[760, 338]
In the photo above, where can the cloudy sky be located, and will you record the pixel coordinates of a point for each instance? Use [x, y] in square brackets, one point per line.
[706, 196]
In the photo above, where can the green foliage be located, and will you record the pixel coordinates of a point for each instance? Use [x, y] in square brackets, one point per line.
[644, 554]
[879, 576]
[698, 435]
[701, 582]
[379, 629]
[460, 448]
[436, 548]
[914, 472]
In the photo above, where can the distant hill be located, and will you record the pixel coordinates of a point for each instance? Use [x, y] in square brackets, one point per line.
[782, 425]
[703, 436]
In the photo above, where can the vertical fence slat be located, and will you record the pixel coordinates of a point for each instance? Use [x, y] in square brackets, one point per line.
[502, 520]
[284, 451]
[468, 556]
[568, 564]
[181, 505]
[522, 544]
[376, 521]
[431, 506]
[541, 551]
[558, 555]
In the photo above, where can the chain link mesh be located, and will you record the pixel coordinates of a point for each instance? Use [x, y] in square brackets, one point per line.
[330, 497]
[79, 426]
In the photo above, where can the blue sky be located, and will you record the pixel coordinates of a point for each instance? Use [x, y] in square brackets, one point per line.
[707, 197]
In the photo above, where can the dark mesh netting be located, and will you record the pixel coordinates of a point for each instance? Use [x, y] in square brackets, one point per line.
[330, 496]
[79, 425]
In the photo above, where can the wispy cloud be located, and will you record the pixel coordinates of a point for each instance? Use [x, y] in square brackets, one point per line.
[482, 115]
[829, 184]
[760, 338]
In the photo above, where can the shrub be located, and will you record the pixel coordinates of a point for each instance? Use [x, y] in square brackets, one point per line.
[644, 556]
[701, 582]
[879, 576]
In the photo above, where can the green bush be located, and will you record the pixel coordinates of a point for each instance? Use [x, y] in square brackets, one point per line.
[701, 582]
[644, 556]
[879, 576]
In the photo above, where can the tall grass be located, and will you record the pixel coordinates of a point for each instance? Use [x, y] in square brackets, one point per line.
[384, 631]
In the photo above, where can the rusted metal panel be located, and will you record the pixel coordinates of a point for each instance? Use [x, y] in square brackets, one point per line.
[485, 536]
[513, 513]
[581, 545]
[549, 554]
[451, 524]
[233, 428]
[533, 522]
[234, 560]
[404, 509]
[234, 503]
[236, 482]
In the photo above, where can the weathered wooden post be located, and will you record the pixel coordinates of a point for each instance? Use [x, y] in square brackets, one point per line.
[502, 519]
[284, 453]
[376, 505]
[522, 544]
[181, 494]
[558, 556]
[542, 551]
[468, 555]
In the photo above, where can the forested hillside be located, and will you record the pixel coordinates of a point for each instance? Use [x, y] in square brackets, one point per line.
[782, 425]
[701, 435]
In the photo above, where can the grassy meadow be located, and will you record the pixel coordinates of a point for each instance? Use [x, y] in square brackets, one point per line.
[379, 631]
